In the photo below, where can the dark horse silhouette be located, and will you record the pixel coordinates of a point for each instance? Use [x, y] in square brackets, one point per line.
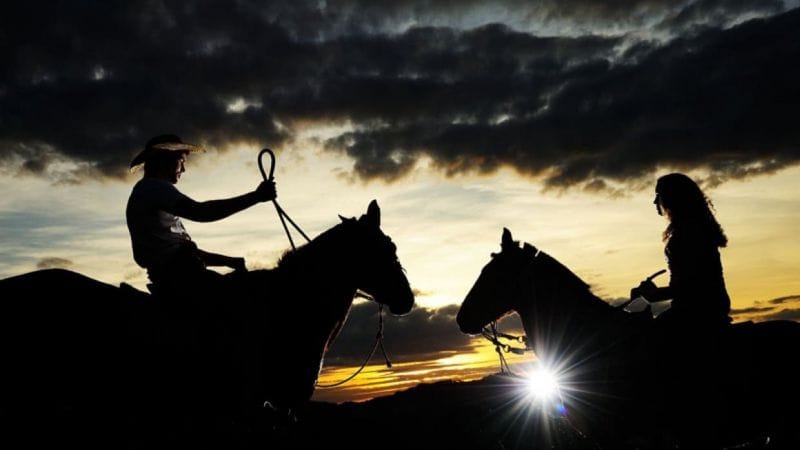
[81, 351]
[623, 381]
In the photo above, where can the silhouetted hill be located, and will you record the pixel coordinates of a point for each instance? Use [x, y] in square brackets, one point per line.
[491, 413]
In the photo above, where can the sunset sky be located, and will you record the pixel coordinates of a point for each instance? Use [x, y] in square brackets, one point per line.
[550, 117]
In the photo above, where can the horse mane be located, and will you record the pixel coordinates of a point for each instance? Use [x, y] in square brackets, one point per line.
[292, 257]
[292, 266]
[566, 276]
[563, 272]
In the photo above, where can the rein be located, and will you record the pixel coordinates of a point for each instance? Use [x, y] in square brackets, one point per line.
[284, 217]
[281, 213]
[378, 340]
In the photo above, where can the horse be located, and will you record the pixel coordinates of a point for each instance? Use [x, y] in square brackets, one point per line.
[628, 381]
[78, 351]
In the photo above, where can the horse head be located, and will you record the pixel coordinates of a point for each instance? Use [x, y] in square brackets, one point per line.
[524, 280]
[497, 291]
[377, 269]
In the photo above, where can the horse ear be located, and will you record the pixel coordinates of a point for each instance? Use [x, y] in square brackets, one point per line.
[373, 215]
[342, 218]
[507, 241]
[530, 249]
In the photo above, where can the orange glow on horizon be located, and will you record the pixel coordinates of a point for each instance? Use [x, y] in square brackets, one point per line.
[377, 380]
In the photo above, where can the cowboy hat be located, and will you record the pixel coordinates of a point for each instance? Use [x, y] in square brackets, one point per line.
[164, 142]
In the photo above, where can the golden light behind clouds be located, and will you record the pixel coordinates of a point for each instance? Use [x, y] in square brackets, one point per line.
[444, 228]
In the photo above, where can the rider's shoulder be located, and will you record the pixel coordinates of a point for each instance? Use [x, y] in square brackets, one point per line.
[153, 186]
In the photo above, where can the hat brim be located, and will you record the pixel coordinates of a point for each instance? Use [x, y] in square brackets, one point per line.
[166, 146]
[179, 146]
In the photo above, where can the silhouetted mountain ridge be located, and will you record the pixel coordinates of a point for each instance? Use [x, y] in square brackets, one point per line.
[490, 413]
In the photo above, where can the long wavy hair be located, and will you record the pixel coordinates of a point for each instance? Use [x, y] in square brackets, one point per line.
[688, 207]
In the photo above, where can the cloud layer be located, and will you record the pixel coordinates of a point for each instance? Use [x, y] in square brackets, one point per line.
[421, 335]
[781, 308]
[426, 333]
[578, 93]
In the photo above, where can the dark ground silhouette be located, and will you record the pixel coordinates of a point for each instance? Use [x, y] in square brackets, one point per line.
[487, 414]
[484, 414]
[492, 413]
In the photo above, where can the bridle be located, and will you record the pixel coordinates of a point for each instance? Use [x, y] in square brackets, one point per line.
[491, 333]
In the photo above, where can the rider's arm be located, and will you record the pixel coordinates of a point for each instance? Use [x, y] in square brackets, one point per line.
[212, 210]
[660, 293]
[651, 292]
[217, 260]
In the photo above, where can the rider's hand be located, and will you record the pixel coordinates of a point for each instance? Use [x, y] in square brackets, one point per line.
[647, 289]
[266, 191]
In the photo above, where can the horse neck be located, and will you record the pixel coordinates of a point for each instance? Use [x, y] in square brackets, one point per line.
[304, 299]
[574, 320]
[314, 279]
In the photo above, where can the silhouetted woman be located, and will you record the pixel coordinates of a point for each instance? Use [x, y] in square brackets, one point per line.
[692, 241]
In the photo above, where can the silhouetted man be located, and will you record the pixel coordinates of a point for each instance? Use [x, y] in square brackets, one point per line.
[161, 244]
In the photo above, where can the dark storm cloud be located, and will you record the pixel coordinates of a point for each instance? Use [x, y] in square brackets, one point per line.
[717, 12]
[750, 311]
[781, 308]
[94, 81]
[345, 17]
[90, 83]
[784, 314]
[721, 99]
[422, 334]
[786, 299]
[53, 262]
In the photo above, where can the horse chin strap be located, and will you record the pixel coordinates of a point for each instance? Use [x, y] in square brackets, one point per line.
[492, 335]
